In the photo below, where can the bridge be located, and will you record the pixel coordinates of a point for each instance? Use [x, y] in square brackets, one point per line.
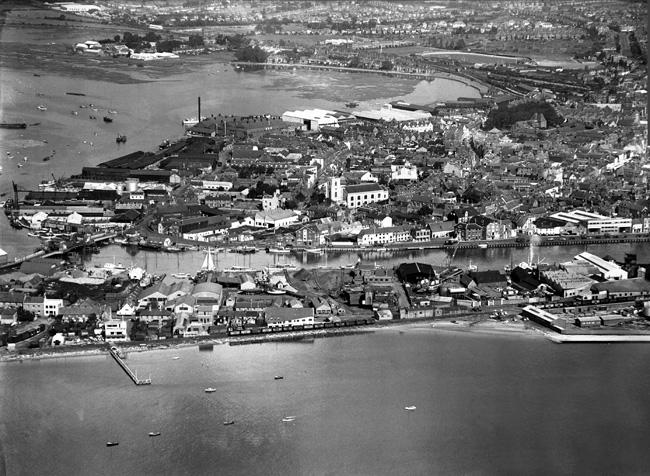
[94, 239]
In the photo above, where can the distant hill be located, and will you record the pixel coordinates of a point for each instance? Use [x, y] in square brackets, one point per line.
[504, 117]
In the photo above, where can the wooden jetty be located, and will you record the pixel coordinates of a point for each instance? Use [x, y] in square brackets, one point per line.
[117, 356]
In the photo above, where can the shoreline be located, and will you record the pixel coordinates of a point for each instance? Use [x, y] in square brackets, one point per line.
[478, 328]
[481, 328]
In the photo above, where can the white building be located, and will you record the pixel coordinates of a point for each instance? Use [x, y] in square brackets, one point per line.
[404, 172]
[89, 47]
[116, 330]
[271, 202]
[51, 306]
[216, 185]
[380, 236]
[388, 113]
[314, 119]
[136, 274]
[595, 223]
[76, 7]
[154, 56]
[275, 218]
[126, 310]
[335, 190]
[607, 269]
[37, 219]
[289, 317]
[359, 195]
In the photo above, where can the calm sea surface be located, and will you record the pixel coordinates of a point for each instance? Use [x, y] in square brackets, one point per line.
[485, 405]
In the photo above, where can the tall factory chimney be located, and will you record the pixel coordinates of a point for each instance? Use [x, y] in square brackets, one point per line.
[199, 116]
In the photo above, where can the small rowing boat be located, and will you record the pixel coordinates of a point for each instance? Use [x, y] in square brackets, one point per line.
[154, 433]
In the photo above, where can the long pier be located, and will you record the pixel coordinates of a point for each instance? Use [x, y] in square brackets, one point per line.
[115, 353]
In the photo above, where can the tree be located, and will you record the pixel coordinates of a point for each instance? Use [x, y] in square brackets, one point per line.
[290, 204]
[386, 65]
[425, 210]
[25, 315]
[168, 46]
[251, 54]
[317, 198]
[116, 38]
[151, 37]
[354, 62]
[196, 41]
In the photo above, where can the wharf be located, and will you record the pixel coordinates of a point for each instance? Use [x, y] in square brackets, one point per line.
[115, 353]
[596, 338]
[507, 243]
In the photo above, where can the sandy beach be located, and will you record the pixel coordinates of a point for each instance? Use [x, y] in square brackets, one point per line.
[485, 327]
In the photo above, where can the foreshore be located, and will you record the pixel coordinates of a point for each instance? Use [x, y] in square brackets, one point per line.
[481, 328]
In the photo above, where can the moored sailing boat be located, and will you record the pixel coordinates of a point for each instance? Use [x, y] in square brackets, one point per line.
[208, 261]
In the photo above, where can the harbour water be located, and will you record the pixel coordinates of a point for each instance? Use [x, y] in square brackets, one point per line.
[485, 405]
[483, 259]
[150, 112]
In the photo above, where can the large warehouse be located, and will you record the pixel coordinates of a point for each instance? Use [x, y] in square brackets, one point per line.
[389, 113]
[314, 119]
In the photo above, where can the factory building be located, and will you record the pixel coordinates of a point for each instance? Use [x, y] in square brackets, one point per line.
[314, 119]
[606, 269]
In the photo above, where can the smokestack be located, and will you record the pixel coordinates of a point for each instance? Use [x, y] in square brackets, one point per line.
[199, 116]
